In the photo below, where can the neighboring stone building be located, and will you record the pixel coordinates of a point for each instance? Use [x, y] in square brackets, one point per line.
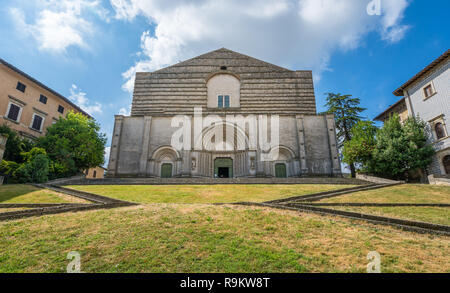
[3, 140]
[427, 95]
[28, 106]
[95, 173]
[219, 104]
[399, 107]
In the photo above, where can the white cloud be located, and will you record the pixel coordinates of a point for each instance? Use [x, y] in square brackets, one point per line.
[59, 24]
[393, 30]
[79, 98]
[125, 111]
[106, 156]
[293, 33]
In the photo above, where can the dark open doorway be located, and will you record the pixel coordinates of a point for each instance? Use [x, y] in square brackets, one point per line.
[223, 168]
[223, 172]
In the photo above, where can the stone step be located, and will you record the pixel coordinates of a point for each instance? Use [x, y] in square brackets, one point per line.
[211, 181]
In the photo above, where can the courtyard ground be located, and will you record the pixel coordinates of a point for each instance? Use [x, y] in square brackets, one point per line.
[204, 193]
[21, 193]
[174, 237]
[407, 193]
[205, 238]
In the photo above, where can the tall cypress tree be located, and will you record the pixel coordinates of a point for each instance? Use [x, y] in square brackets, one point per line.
[346, 112]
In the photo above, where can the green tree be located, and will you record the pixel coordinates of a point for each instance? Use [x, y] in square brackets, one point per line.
[346, 112]
[15, 145]
[359, 150]
[35, 169]
[401, 148]
[73, 144]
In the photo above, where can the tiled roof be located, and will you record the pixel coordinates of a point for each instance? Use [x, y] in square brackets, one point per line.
[399, 92]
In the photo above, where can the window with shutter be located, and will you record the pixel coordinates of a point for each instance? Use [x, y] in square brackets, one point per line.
[43, 99]
[14, 112]
[220, 102]
[227, 101]
[20, 87]
[37, 123]
[439, 129]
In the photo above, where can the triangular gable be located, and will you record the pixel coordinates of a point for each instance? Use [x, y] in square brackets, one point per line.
[224, 53]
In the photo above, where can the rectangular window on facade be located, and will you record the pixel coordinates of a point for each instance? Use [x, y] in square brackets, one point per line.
[21, 87]
[43, 99]
[13, 112]
[61, 109]
[227, 101]
[220, 102]
[428, 91]
[37, 122]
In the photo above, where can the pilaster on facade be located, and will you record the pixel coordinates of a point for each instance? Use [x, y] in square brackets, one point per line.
[115, 145]
[145, 146]
[301, 144]
[332, 141]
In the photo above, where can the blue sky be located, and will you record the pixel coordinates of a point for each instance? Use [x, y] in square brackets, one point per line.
[89, 50]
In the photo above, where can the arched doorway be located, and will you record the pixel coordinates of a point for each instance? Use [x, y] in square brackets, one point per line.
[165, 162]
[280, 170]
[446, 163]
[166, 170]
[223, 168]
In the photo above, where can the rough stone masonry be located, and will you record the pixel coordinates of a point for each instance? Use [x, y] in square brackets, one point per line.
[223, 84]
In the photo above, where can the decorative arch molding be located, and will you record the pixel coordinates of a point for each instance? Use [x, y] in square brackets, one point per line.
[226, 72]
[166, 152]
[283, 155]
[440, 156]
[239, 137]
[163, 156]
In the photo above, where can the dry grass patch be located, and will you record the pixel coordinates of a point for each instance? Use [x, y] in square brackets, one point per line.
[406, 193]
[206, 238]
[435, 215]
[21, 193]
[204, 193]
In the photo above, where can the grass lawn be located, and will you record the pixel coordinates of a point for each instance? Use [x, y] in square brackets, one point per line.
[423, 214]
[20, 193]
[406, 193]
[206, 238]
[203, 193]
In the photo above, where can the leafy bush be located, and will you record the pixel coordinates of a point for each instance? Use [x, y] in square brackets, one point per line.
[15, 145]
[7, 169]
[73, 144]
[394, 151]
[36, 170]
[401, 148]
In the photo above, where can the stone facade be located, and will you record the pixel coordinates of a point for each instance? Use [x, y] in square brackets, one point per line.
[37, 106]
[3, 140]
[222, 104]
[427, 95]
[33, 101]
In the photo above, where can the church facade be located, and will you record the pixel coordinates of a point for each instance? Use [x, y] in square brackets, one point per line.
[224, 115]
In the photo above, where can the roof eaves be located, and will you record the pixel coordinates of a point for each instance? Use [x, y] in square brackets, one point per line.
[12, 67]
[378, 118]
[399, 92]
